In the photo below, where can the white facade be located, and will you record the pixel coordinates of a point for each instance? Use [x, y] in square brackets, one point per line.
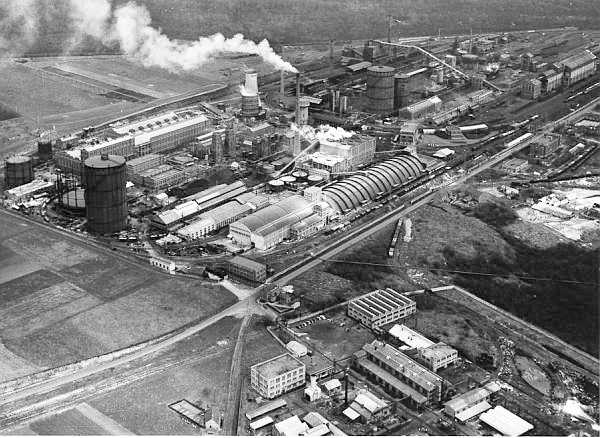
[278, 375]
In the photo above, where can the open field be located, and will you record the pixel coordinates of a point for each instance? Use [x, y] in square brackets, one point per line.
[62, 301]
[122, 400]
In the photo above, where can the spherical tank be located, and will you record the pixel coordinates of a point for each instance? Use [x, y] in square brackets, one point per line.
[105, 193]
[380, 89]
[19, 171]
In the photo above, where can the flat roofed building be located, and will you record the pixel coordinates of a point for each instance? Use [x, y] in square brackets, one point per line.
[469, 399]
[265, 409]
[531, 89]
[409, 134]
[577, 67]
[410, 337]
[278, 375]
[291, 426]
[438, 356]
[422, 108]
[399, 374]
[505, 422]
[26, 191]
[515, 165]
[551, 80]
[381, 307]
[245, 269]
[142, 163]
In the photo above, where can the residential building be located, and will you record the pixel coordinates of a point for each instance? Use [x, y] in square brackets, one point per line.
[278, 375]
[242, 268]
[381, 307]
[398, 374]
[368, 407]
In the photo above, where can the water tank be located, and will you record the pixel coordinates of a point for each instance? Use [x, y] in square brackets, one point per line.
[300, 175]
[315, 179]
[105, 193]
[276, 185]
[74, 200]
[19, 171]
[380, 89]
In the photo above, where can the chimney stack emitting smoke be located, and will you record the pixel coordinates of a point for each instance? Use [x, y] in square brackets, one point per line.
[281, 84]
[128, 25]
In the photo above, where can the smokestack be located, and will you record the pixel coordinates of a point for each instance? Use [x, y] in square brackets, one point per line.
[281, 85]
[297, 97]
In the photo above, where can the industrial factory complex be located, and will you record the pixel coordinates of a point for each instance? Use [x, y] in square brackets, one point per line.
[288, 206]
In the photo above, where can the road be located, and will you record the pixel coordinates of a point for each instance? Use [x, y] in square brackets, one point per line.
[284, 277]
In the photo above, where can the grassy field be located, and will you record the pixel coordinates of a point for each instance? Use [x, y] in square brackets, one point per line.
[61, 301]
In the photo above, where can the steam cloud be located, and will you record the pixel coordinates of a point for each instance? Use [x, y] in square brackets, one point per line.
[322, 133]
[129, 26]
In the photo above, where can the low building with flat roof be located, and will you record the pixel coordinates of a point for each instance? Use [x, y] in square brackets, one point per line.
[470, 399]
[505, 422]
[243, 268]
[410, 337]
[278, 375]
[438, 356]
[381, 307]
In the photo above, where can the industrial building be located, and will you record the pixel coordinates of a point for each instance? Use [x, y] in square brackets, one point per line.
[409, 134]
[577, 67]
[544, 146]
[438, 356]
[423, 108]
[372, 183]
[515, 165]
[242, 268]
[472, 403]
[269, 226]
[398, 374]
[278, 375]
[24, 192]
[71, 160]
[214, 220]
[343, 155]
[163, 132]
[194, 204]
[531, 88]
[550, 80]
[105, 193]
[381, 307]
[138, 165]
[505, 422]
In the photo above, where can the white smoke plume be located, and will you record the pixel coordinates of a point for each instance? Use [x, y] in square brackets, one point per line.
[18, 26]
[131, 28]
[322, 133]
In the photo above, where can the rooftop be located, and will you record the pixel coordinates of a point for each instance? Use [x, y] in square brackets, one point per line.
[437, 351]
[473, 396]
[291, 426]
[382, 301]
[251, 264]
[505, 422]
[410, 337]
[404, 364]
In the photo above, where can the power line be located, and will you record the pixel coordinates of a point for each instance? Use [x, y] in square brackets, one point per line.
[454, 271]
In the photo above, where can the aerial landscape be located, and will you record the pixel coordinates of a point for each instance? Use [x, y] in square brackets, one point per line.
[300, 218]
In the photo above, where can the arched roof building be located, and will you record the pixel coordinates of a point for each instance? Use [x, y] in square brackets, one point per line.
[371, 183]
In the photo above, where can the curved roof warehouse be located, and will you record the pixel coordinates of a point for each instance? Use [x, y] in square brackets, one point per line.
[270, 225]
[372, 183]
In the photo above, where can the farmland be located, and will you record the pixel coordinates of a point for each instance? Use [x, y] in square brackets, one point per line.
[63, 301]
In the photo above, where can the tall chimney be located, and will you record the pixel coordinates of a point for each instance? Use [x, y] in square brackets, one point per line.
[297, 97]
[281, 85]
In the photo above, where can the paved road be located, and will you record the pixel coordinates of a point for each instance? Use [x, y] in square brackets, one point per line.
[241, 308]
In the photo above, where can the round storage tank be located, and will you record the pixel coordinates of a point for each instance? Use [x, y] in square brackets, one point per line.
[268, 169]
[288, 180]
[276, 185]
[19, 171]
[44, 149]
[380, 89]
[315, 179]
[300, 175]
[105, 193]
